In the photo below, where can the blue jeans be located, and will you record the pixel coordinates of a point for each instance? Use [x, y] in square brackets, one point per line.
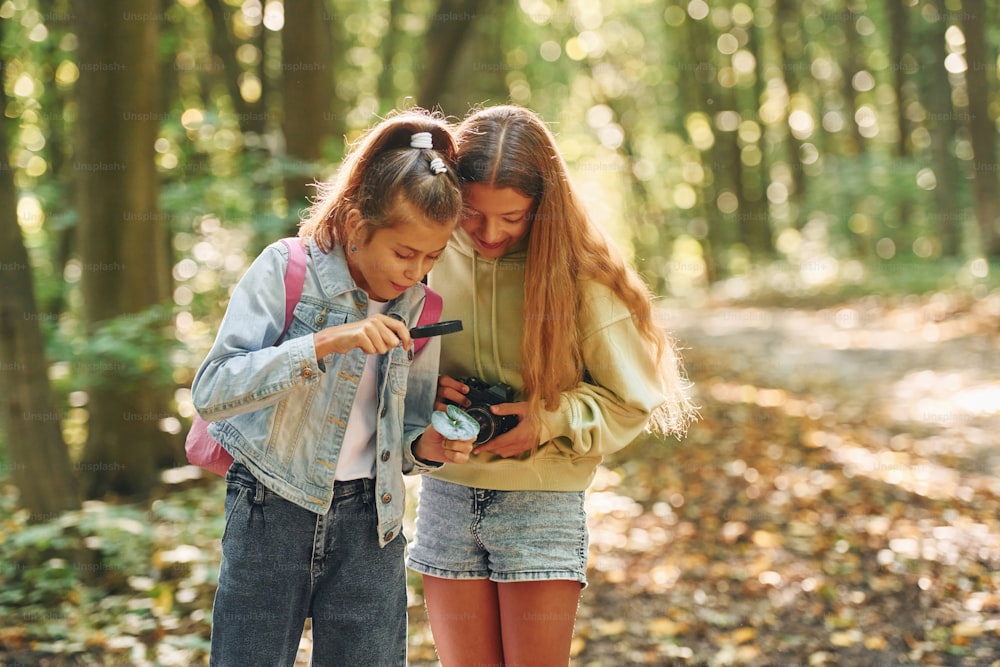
[282, 563]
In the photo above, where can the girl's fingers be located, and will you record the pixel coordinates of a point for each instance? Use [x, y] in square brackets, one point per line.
[398, 331]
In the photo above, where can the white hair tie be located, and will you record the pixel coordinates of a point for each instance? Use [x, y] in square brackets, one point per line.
[422, 140]
[437, 166]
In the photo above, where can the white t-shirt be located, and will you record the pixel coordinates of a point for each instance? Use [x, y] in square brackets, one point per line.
[357, 455]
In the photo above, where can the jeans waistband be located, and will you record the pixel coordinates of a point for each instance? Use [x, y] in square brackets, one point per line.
[345, 489]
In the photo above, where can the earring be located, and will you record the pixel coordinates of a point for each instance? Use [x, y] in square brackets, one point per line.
[354, 249]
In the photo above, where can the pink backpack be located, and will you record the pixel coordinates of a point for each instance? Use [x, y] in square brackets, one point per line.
[201, 448]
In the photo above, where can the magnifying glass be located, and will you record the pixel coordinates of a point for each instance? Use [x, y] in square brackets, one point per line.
[436, 329]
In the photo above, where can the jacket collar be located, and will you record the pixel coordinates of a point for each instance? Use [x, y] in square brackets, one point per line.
[331, 270]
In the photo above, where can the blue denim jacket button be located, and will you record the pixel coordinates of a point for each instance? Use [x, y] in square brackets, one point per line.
[386, 498]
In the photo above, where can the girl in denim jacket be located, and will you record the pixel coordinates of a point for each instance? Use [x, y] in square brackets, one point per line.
[324, 422]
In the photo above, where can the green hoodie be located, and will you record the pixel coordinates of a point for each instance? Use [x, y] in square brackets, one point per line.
[593, 419]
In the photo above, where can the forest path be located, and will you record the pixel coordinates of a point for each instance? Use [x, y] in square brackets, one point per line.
[838, 502]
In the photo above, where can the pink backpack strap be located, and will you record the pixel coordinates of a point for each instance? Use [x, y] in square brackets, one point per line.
[295, 277]
[202, 450]
[430, 314]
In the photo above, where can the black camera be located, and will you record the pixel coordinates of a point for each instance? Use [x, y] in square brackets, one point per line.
[484, 395]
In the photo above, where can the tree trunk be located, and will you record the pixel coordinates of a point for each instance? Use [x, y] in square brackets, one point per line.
[389, 47]
[936, 93]
[37, 458]
[982, 128]
[252, 116]
[850, 65]
[899, 35]
[451, 26]
[755, 222]
[309, 103]
[788, 33]
[697, 77]
[58, 146]
[120, 231]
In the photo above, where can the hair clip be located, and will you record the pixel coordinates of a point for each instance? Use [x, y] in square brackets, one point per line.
[421, 140]
[437, 166]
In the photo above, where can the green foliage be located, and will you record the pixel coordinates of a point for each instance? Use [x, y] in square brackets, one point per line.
[868, 198]
[133, 347]
[69, 583]
[244, 194]
[643, 97]
[825, 281]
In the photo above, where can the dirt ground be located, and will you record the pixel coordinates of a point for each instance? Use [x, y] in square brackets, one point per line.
[838, 503]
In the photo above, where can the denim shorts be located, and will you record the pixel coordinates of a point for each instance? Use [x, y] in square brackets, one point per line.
[470, 533]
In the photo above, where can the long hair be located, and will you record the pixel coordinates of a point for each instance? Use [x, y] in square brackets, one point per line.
[511, 147]
[382, 167]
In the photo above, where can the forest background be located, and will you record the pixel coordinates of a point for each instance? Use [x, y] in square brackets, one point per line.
[753, 155]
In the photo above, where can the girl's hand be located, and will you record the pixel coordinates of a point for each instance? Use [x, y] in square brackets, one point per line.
[432, 446]
[450, 390]
[519, 439]
[373, 335]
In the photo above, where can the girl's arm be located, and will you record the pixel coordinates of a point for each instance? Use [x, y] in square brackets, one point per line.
[613, 406]
[605, 412]
[244, 370]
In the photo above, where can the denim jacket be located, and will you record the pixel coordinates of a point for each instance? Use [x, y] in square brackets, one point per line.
[283, 414]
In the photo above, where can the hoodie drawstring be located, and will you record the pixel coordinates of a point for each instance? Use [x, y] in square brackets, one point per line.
[475, 316]
[476, 346]
[495, 327]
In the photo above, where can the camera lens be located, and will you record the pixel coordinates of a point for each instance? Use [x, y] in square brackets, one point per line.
[487, 423]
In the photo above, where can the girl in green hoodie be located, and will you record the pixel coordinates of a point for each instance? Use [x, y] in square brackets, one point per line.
[562, 363]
